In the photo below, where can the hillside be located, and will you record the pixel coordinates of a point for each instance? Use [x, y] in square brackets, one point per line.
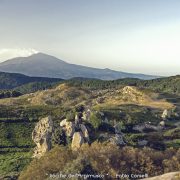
[69, 95]
[14, 80]
[43, 65]
[129, 116]
[170, 85]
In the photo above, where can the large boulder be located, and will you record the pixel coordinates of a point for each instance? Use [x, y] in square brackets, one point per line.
[69, 127]
[41, 135]
[77, 140]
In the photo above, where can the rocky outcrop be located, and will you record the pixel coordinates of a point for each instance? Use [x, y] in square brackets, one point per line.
[86, 115]
[132, 94]
[75, 130]
[41, 135]
[169, 113]
[118, 140]
[166, 114]
[142, 142]
[144, 127]
[77, 140]
[167, 176]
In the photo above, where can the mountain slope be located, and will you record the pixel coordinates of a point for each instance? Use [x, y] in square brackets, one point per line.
[13, 80]
[43, 65]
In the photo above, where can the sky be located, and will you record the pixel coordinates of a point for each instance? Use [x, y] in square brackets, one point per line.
[137, 36]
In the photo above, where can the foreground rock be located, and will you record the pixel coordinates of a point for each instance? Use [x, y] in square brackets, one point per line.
[168, 176]
[69, 127]
[77, 140]
[41, 135]
[75, 130]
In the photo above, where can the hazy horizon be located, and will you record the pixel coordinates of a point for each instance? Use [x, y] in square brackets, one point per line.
[131, 36]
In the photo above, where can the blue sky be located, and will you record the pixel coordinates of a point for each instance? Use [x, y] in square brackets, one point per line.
[127, 35]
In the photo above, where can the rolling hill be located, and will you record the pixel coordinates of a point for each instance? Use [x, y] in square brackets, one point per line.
[13, 80]
[43, 65]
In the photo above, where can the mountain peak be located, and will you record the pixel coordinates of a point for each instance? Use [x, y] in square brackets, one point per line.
[44, 65]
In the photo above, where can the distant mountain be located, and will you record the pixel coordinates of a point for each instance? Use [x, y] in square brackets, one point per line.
[43, 65]
[14, 80]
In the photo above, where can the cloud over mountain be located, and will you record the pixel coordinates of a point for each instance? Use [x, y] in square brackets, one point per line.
[8, 53]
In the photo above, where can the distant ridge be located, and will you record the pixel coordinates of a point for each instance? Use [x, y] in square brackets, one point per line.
[43, 65]
[13, 80]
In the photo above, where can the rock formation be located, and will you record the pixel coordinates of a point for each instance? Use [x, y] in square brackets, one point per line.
[84, 132]
[41, 135]
[143, 127]
[69, 127]
[118, 139]
[77, 140]
[75, 130]
[132, 94]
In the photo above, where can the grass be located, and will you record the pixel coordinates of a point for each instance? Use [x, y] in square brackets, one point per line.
[12, 163]
[16, 134]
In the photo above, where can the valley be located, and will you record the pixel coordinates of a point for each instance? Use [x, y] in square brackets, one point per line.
[127, 113]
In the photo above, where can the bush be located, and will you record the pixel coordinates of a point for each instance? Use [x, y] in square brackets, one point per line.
[70, 116]
[95, 120]
[106, 128]
[103, 159]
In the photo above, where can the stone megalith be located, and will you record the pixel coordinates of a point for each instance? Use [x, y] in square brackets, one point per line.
[69, 127]
[84, 132]
[77, 141]
[41, 135]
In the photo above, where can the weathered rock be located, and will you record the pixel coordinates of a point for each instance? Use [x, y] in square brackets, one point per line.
[69, 127]
[162, 123]
[86, 115]
[41, 135]
[118, 139]
[78, 119]
[143, 127]
[132, 94]
[142, 142]
[84, 132]
[77, 140]
[166, 114]
[117, 129]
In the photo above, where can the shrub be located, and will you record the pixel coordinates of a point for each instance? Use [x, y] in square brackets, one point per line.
[103, 159]
[95, 120]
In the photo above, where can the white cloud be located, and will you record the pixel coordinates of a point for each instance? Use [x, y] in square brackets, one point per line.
[6, 54]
